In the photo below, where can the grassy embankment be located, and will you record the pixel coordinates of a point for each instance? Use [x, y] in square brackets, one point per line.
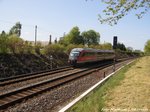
[127, 90]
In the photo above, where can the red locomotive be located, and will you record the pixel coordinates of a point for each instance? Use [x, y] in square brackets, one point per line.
[86, 55]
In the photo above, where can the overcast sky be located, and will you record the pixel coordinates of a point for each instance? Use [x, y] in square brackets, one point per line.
[57, 17]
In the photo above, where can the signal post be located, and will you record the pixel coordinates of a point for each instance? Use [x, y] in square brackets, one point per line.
[114, 47]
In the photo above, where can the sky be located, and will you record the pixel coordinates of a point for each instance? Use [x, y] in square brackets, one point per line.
[58, 17]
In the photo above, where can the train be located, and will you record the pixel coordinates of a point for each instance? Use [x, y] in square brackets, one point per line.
[80, 56]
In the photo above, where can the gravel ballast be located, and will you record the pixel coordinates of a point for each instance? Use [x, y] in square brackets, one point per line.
[55, 99]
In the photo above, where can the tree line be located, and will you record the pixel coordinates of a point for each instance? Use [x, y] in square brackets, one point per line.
[11, 42]
[88, 38]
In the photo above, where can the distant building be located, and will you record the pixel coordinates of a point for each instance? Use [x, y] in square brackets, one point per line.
[43, 43]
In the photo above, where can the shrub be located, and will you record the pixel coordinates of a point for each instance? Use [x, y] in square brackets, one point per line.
[53, 48]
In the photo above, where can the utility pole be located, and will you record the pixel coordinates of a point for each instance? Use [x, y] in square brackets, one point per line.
[35, 34]
[50, 39]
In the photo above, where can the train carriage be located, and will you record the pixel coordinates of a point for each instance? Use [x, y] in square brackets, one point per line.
[88, 55]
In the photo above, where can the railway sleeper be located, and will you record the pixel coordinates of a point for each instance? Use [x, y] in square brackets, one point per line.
[2, 102]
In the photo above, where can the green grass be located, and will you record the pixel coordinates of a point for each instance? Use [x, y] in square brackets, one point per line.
[95, 101]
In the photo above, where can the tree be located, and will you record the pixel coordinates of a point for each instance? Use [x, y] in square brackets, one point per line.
[147, 47]
[121, 46]
[3, 34]
[117, 9]
[3, 42]
[16, 29]
[73, 37]
[129, 49]
[91, 37]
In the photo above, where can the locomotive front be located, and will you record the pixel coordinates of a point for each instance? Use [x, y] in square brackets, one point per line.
[73, 57]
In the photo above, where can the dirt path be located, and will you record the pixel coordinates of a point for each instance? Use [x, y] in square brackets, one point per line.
[133, 94]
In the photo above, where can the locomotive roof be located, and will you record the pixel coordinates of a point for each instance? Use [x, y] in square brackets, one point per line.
[90, 49]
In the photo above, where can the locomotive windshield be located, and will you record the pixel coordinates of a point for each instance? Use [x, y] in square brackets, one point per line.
[74, 54]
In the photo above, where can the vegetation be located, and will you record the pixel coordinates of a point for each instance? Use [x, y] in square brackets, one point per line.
[90, 37]
[16, 29]
[95, 101]
[117, 9]
[12, 42]
[73, 37]
[53, 49]
[147, 47]
[121, 46]
[132, 93]
[15, 44]
[3, 42]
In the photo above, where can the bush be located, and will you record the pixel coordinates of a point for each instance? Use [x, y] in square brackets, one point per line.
[28, 48]
[53, 48]
[15, 44]
[71, 46]
[3, 43]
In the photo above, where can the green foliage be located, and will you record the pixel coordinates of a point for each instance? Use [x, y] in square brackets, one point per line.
[16, 29]
[73, 37]
[117, 9]
[129, 49]
[38, 47]
[121, 46]
[147, 47]
[91, 37]
[3, 42]
[28, 48]
[104, 46]
[107, 46]
[62, 41]
[53, 48]
[86, 38]
[138, 52]
[15, 44]
[12, 43]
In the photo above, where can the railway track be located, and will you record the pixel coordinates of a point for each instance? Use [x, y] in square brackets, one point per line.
[18, 95]
[25, 77]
